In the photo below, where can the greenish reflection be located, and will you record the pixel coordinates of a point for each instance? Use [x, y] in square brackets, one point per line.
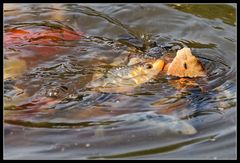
[56, 125]
[156, 150]
[226, 13]
[195, 44]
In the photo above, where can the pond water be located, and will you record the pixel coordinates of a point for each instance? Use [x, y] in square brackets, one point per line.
[98, 125]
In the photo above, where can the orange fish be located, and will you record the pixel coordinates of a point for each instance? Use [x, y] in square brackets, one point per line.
[34, 41]
[38, 35]
[186, 65]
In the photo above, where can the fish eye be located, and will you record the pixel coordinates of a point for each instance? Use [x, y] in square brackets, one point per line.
[148, 66]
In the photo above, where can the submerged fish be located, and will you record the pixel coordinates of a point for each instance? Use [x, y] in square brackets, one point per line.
[151, 122]
[28, 44]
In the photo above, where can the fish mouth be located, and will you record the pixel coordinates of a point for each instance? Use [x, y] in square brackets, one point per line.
[159, 64]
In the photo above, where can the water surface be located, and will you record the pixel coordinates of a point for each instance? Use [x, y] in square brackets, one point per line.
[73, 130]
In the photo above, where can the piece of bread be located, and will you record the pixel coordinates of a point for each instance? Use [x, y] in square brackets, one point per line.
[186, 65]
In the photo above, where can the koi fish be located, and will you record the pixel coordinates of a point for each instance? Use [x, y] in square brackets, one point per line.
[153, 122]
[128, 76]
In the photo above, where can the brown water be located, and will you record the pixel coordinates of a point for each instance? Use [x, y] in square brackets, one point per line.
[88, 129]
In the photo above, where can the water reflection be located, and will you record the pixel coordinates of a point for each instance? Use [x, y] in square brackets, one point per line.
[79, 124]
[225, 12]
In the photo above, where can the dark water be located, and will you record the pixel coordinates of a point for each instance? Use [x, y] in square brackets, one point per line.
[73, 130]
